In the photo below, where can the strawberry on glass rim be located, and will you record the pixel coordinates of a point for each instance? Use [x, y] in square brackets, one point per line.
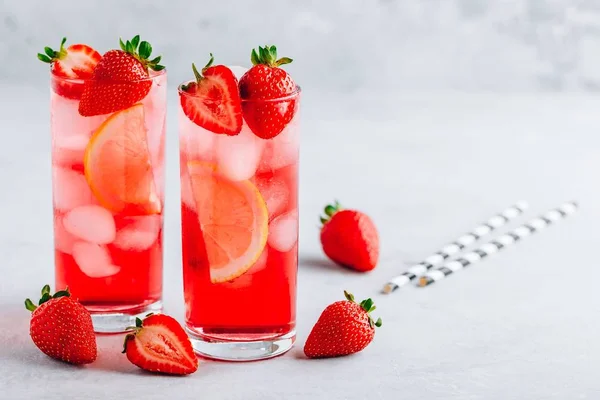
[74, 62]
[268, 93]
[212, 101]
[120, 80]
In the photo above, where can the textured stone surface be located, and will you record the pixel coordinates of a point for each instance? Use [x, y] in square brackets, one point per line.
[522, 325]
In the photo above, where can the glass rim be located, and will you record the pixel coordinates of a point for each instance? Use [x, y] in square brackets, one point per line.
[290, 96]
[156, 74]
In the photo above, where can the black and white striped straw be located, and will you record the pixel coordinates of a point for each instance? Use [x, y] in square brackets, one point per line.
[437, 258]
[494, 246]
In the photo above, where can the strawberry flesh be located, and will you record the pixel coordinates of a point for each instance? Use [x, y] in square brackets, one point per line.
[159, 344]
[213, 101]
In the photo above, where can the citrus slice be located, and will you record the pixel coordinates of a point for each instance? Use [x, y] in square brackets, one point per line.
[117, 165]
[234, 221]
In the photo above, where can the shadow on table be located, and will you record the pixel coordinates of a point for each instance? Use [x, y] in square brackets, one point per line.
[321, 263]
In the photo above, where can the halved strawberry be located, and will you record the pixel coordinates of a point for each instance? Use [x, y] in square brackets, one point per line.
[213, 101]
[268, 94]
[120, 79]
[159, 344]
[75, 62]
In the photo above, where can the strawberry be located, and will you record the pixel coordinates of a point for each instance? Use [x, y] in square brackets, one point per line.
[343, 328]
[213, 101]
[120, 79]
[159, 344]
[268, 93]
[349, 238]
[75, 62]
[62, 328]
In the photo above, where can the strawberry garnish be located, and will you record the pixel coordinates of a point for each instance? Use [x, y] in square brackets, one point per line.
[268, 93]
[62, 328]
[213, 101]
[74, 62]
[345, 327]
[349, 238]
[120, 79]
[159, 344]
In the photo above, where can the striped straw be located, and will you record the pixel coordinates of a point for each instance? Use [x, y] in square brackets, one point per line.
[459, 244]
[487, 249]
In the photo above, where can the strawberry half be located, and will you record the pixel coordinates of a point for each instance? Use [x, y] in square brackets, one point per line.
[75, 62]
[62, 328]
[120, 79]
[213, 101]
[349, 238]
[345, 327]
[159, 344]
[261, 89]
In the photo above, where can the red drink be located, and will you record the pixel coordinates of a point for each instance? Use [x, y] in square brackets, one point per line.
[240, 230]
[108, 180]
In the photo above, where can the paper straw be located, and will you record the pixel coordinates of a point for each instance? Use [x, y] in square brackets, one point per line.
[459, 244]
[494, 246]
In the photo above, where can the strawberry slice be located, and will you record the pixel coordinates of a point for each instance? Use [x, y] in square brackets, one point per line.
[213, 101]
[269, 94]
[159, 344]
[120, 79]
[75, 62]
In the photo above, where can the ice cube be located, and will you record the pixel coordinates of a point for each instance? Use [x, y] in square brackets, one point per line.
[238, 71]
[283, 231]
[70, 189]
[282, 150]
[69, 150]
[65, 119]
[275, 193]
[138, 233]
[238, 156]
[197, 143]
[63, 240]
[91, 223]
[187, 195]
[94, 260]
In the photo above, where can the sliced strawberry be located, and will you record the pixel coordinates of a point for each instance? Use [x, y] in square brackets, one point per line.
[75, 62]
[269, 94]
[159, 344]
[120, 79]
[213, 101]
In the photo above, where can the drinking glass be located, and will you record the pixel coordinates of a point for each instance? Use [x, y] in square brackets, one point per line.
[108, 199]
[239, 210]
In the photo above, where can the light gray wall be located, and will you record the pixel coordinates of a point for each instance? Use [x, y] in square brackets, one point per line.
[339, 45]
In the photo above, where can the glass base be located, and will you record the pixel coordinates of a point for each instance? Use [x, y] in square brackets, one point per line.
[117, 321]
[243, 348]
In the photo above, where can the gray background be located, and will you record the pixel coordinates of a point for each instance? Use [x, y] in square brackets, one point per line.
[428, 115]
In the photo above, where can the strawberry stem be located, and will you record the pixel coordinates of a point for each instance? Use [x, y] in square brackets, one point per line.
[29, 305]
[368, 305]
[50, 55]
[268, 56]
[330, 210]
[141, 51]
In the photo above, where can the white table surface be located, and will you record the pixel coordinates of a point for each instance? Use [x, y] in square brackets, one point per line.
[523, 325]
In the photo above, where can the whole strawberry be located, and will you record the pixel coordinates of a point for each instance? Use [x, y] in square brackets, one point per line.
[349, 238]
[343, 328]
[62, 328]
[120, 79]
[263, 82]
[159, 344]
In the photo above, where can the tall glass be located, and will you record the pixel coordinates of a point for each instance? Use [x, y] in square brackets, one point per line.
[239, 206]
[108, 184]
